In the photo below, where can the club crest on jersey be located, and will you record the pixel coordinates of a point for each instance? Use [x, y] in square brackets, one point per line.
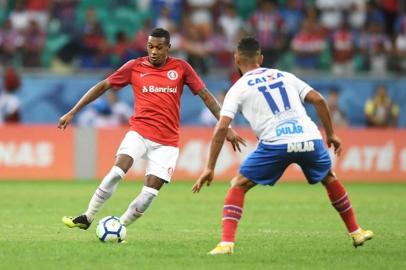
[172, 75]
[289, 128]
[300, 147]
[170, 171]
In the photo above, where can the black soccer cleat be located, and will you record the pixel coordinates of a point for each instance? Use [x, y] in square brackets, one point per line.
[80, 222]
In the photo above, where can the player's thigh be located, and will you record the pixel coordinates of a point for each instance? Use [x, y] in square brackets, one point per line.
[315, 164]
[161, 161]
[266, 164]
[133, 145]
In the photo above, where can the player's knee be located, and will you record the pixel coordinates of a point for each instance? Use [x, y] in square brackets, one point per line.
[330, 177]
[154, 182]
[241, 182]
[124, 162]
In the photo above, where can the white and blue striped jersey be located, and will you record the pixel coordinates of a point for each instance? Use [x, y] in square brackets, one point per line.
[272, 102]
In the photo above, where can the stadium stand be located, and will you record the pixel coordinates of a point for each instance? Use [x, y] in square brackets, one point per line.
[348, 45]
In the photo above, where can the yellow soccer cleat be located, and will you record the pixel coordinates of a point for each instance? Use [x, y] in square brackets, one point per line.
[359, 238]
[222, 249]
[77, 222]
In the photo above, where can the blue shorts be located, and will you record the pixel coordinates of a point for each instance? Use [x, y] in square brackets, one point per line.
[267, 163]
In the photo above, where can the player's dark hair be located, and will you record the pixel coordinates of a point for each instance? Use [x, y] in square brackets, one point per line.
[249, 46]
[161, 33]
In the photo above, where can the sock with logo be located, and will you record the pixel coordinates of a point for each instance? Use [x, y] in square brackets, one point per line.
[232, 212]
[104, 191]
[340, 201]
[140, 204]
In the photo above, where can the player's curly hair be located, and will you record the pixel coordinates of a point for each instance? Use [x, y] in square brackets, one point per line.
[161, 33]
[249, 47]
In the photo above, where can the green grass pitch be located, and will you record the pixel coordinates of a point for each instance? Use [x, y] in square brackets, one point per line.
[290, 226]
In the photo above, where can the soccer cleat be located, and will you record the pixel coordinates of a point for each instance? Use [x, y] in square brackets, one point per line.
[222, 249]
[359, 238]
[79, 221]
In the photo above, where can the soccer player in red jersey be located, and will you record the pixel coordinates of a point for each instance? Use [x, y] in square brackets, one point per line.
[157, 81]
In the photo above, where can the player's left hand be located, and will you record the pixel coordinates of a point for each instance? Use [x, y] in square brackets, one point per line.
[235, 139]
[206, 177]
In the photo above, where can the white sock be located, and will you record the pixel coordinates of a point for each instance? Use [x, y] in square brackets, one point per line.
[139, 205]
[223, 243]
[356, 231]
[104, 191]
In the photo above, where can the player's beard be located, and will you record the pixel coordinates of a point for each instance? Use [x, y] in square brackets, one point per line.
[158, 61]
[239, 72]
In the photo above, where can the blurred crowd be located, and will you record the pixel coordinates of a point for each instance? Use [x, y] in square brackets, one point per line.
[380, 110]
[344, 37]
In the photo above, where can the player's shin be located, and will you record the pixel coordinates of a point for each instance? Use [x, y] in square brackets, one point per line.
[232, 212]
[104, 191]
[140, 204]
[340, 201]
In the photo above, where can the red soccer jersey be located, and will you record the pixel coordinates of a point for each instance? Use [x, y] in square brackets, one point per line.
[157, 92]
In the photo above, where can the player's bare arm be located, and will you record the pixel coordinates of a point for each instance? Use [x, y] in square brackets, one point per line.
[211, 102]
[217, 142]
[92, 94]
[215, 107]
[323, 112]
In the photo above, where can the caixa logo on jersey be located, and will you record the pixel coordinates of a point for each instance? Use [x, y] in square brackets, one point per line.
[289, 128]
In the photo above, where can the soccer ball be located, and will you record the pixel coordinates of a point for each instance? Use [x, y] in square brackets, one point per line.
[110, 229]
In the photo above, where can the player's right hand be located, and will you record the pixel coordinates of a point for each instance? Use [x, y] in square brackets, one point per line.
[65, 120]
[206, 177]
[336, 142]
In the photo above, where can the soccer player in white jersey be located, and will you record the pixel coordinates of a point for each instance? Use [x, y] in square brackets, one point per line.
[272, 102]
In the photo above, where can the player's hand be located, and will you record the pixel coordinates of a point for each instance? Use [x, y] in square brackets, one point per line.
[65, 120]
[235, 139]
[334, 141]
[206, 177]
